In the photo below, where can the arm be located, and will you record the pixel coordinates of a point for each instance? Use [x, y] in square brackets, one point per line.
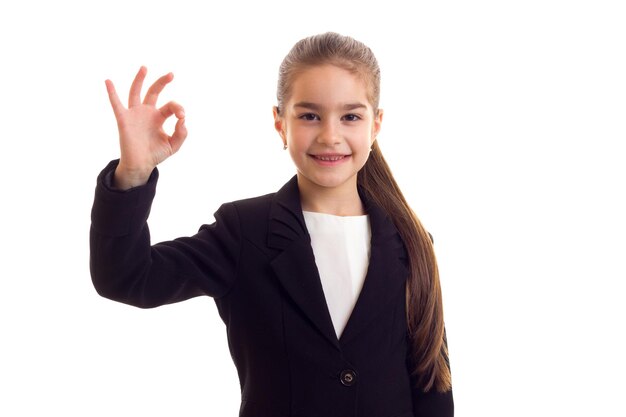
[432, 403]
[126, 268]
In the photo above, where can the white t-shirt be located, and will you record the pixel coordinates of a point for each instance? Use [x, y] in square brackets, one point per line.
[341, 245]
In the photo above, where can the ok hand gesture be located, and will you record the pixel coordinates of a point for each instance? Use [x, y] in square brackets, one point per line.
[143, 142]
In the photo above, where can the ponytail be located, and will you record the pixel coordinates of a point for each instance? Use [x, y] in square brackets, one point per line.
[428, 357]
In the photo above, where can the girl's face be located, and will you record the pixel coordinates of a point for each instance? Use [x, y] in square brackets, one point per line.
[328, 125]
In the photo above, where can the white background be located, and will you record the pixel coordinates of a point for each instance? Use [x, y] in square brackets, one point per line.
[504, 125]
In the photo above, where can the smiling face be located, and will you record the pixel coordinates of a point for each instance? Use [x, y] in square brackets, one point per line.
[328, 125]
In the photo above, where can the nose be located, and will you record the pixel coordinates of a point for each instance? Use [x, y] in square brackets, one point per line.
[329, 133]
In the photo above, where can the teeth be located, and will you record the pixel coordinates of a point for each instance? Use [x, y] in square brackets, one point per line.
[330, 158]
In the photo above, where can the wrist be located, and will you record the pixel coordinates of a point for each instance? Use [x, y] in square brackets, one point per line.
[125, 178]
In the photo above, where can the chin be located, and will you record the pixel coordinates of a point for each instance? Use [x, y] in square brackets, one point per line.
[331, 181]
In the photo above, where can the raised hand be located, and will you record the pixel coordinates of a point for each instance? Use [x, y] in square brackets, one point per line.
[143, 142]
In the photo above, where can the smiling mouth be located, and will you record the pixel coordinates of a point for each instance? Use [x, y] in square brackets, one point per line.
[330, 158]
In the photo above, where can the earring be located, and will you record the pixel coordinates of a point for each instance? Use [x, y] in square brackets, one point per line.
[284, 146]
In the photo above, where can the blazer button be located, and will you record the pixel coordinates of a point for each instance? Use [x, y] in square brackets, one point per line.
[348, 377]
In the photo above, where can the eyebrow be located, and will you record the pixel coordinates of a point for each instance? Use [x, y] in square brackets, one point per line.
[317, 107]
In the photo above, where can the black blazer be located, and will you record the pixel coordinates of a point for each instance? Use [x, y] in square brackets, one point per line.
[256, 261]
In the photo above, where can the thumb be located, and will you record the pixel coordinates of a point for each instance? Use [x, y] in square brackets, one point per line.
[179, 135]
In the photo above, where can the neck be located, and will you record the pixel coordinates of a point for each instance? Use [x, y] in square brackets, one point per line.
[343, 200]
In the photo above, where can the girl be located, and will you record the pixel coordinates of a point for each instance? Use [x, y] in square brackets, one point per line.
[329, 287]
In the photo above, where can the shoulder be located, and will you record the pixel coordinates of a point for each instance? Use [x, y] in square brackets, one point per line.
[253, 203]
[261, 205]
[255, 214]
[252, 206]
[249, 213]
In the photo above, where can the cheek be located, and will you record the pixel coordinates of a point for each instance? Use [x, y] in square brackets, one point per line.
[296, 145]
[363, 138]
[298, 137]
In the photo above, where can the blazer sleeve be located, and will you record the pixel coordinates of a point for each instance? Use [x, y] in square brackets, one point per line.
[125, 266]
[432, 403]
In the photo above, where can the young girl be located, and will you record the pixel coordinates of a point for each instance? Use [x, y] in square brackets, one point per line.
[329, 287]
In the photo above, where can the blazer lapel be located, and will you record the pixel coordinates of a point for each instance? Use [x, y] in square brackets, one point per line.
[386, 274]
[295, 266]
[296, 269]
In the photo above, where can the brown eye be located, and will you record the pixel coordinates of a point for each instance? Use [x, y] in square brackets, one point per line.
[351, 117]
[308, 116]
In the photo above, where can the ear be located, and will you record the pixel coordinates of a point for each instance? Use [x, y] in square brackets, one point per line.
[376, 125]
[279, 124]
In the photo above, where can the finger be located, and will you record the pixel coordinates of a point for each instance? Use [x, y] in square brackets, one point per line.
[134, 98]
[155, 89]
[172, 108]
[179, 135]
[117, 105]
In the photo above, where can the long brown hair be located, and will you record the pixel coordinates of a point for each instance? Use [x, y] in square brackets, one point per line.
[428, 357]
